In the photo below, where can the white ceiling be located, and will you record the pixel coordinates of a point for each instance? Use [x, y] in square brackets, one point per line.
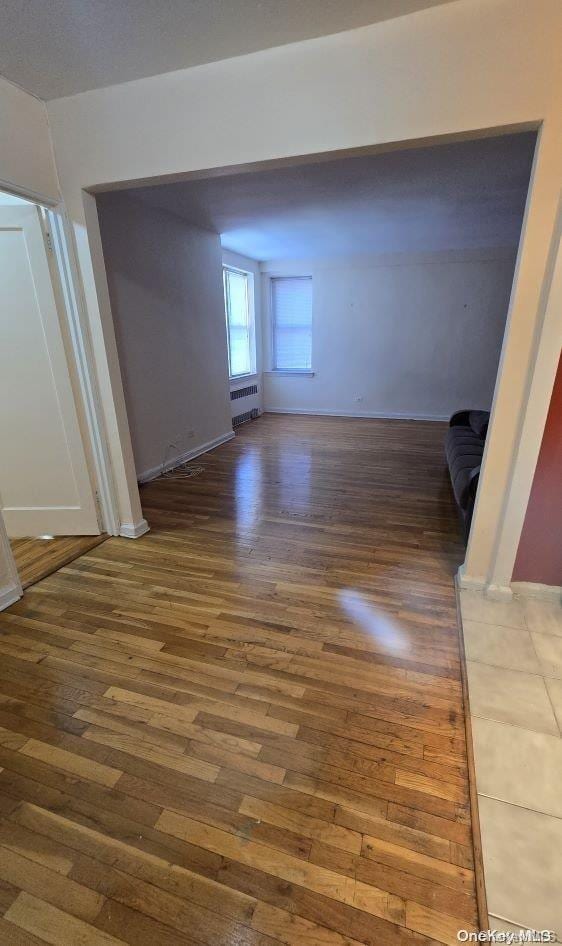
[59, 47]
[457, 196]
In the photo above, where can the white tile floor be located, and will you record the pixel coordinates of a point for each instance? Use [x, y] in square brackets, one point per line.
[514, 665]
[523, 864]
[511, 696]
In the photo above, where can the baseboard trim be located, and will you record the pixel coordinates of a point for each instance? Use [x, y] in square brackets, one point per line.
[379, 415]
[9, 594]
[498, 592]
[130, 530]
[185, 457]
[468, 582]
[525, 589]
[532, 589]
[482, 587]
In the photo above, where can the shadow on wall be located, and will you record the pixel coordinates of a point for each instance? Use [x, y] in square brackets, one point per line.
[165, 284]
[539, 558]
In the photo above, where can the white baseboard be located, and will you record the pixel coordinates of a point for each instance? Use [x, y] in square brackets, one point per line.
[481, 587]
[532, 589]
[130, 530]
[524, 589]
[468, 582]
[185, 457]
[381, 415]
[9, 594]
[498, 592]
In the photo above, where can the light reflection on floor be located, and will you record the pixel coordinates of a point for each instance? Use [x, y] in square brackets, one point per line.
[294, 476]
[372, 620]
[292, 480]
[248, 485]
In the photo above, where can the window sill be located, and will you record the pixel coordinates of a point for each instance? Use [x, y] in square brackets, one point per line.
[242, 379]
[291, 374]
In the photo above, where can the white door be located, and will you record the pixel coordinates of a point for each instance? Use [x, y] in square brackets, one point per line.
[45, 487]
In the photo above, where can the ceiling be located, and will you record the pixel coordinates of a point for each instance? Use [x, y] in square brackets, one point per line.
[55, 48]
[458, 196]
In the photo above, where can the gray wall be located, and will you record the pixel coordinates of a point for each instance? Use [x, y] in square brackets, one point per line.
[404, 335]
[165, 284]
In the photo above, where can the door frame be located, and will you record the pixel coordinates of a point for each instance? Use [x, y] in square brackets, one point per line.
[62, 236]
[88, 404]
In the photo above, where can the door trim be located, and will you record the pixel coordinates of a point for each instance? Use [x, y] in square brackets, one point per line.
[75, 310]
[10, 584]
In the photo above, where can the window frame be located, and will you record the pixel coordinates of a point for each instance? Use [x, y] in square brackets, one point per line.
[250, 307]
[302, 372]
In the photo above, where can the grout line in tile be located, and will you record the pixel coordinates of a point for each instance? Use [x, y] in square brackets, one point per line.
[484, 663]
[556, 637]
[516, 924]
[514, 804]
[544, 677]
[552, 705]
[504, 722]
[507, 627]
[504, 627]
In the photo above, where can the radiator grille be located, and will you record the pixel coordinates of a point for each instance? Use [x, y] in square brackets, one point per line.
[244, 392]
[246, 416]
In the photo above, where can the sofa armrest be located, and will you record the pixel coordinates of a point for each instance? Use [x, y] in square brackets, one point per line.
[460, 419]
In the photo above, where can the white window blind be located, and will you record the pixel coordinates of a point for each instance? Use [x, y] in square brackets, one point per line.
[291, 307]
[238, 322]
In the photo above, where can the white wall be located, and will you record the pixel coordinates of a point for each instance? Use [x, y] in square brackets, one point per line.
[451, 69]
[165, 283]
[251, 266]
[26, 154]
[397, 336]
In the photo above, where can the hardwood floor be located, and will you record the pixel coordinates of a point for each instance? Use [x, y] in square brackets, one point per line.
[37, 558]
[247, 727]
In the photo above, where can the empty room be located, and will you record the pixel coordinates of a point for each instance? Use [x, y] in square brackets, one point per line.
[307, 281]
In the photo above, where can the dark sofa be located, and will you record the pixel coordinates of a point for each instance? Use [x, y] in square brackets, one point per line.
[464, 447]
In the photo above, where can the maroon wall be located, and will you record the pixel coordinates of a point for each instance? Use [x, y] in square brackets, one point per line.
[539, 557]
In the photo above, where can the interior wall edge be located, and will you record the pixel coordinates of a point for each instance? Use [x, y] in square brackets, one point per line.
[513, 444]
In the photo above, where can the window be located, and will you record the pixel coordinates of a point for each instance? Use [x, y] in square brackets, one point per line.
[239, 322]
[291, 316]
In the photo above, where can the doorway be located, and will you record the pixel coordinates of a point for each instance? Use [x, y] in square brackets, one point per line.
[47, 495]
[380, 286]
